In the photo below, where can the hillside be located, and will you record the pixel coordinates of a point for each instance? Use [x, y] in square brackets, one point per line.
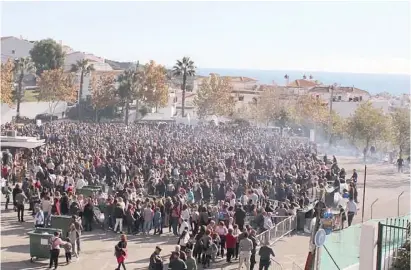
[119, 65]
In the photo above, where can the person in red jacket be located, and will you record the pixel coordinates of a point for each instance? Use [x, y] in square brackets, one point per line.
[230, 243]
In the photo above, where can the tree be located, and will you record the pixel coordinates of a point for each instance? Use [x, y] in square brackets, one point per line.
[103, 92]
[129, 88]
[338, 125]
[22, 67]
[47, 54]
[154, 84]
[400, 128]
[85, 68]
[184, 68]
[55, 85]
[267, 106]
[7, 82]
[368, 124]
[311, 110]
[214, 97]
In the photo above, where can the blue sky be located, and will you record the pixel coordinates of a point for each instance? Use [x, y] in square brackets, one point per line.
[371, 37]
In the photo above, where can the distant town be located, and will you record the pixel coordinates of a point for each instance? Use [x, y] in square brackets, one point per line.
[245, 90]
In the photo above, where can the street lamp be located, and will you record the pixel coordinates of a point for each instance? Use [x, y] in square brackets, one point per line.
[332, 88]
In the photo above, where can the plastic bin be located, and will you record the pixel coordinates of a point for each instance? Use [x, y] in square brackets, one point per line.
[62, 223]
[40, 244]
[88, 191]
[48, 230]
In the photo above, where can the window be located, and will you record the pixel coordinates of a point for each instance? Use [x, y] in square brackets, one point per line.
[339, 98]
[13, 52]
[360, 98]
[241, 98]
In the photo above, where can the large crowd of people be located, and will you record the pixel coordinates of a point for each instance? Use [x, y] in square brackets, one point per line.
[202, 183]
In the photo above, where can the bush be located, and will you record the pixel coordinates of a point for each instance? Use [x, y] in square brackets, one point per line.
[402, 260]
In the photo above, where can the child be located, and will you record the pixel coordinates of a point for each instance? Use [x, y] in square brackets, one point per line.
[68, 247]
[157, 221]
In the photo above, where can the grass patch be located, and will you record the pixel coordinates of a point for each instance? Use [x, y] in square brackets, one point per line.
[31, 96]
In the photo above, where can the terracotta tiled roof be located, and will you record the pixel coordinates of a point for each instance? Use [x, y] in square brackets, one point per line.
[3, 38]
[303, 83]
[347, 89]
[240, 79]
[231, 78]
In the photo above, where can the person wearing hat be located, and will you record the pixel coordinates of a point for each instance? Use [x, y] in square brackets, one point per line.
[156, 262]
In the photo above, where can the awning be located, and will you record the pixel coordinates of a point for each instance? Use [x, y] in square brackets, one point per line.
[29, 145]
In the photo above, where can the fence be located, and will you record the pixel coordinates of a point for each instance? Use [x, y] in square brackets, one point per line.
[296, 266]
[280, 230]
[393, 235]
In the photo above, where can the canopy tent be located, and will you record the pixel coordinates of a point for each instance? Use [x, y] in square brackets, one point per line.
[27, 144]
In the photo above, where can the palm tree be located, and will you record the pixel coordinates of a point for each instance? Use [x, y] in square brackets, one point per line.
[85, 69]
[128, 88]
[185, 68]
[22, 67]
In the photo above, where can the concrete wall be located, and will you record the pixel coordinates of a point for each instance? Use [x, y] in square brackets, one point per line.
[30, 109]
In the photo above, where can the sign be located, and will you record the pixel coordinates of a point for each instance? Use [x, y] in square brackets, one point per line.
[319, 238]
[38, 122]
[44, 241]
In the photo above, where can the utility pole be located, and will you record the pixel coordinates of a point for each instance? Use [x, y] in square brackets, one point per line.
[332, 88]
[313, 263]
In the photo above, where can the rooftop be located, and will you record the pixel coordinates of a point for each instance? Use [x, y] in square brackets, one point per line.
[302, 83]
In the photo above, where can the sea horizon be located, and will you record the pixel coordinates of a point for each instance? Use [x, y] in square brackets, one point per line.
[395, 84]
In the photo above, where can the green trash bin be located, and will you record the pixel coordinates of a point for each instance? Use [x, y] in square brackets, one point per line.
[48, 230]
[62, 223]
[39, 245]
[87, 191]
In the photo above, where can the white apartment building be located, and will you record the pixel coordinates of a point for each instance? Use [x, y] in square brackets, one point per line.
[340, 93]
[13, 47]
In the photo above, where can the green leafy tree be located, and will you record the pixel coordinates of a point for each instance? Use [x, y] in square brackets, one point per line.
[214, 97]
[22, 67]
[184, 68]
[368, 124]
[47, 54]
[400, 128]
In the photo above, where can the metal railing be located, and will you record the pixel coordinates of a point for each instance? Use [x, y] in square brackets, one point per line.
[275, 265]
[278, 231]
[296, 266]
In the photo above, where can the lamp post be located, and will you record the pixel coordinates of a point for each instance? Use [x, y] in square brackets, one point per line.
[332, 88]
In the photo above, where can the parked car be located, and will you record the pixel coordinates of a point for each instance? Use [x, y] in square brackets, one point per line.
[44, 117]
[23, 120]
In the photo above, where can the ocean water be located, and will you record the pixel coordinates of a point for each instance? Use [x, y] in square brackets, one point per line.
[394, 84]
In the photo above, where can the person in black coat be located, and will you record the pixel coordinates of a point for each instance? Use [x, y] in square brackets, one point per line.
[16, 190]
[88, 215]
[64, 204]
